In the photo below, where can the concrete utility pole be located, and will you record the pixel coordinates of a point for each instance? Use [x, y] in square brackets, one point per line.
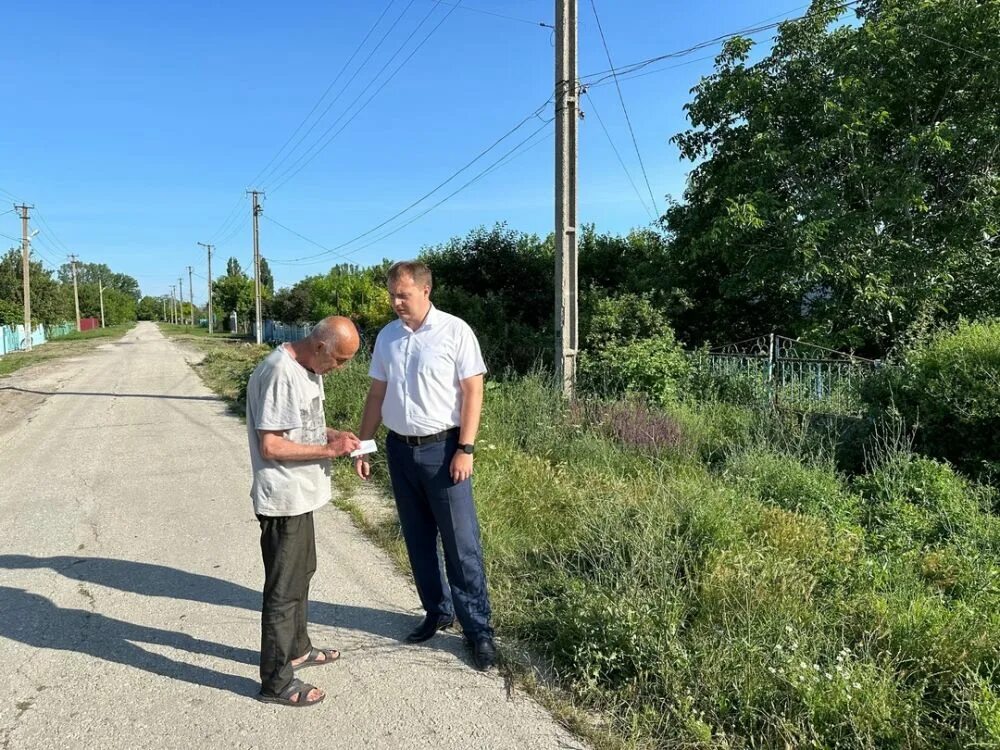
[76, 291]
[191, 295]
[257, 210]
[567, 113]
[173, 304]
[164, 301]
[100, 286]
[180, 300]
[26, 272]
[209, 248]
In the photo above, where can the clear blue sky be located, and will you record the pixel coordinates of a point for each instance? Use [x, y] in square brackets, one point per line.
[135, 127]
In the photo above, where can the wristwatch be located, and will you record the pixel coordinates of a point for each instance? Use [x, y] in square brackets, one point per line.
[467, 448]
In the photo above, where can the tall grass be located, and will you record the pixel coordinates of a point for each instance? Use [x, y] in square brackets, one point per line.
[704, 576]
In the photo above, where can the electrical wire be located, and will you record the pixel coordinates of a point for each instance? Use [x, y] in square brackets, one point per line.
[603, 75]
[313, 152]
[501, 15]
[501, 161]
[52, 233]
[642, 201]
[328, 89]
[535, 113]
[266, 175]
[621, 98]
[955, 46]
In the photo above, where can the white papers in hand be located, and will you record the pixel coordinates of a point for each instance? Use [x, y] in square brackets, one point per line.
[367, 446]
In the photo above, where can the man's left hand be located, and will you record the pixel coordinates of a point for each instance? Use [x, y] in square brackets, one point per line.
[461, 467]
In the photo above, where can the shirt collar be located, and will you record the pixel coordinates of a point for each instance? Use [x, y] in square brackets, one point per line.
[433, 316]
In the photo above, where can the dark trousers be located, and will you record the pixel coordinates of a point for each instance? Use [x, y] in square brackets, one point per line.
[288, 545]
[432, 507]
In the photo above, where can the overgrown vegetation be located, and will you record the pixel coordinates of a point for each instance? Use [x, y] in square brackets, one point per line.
[704, 574]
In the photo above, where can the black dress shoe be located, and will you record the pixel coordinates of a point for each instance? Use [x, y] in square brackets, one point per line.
[484, 653]
[430, 625]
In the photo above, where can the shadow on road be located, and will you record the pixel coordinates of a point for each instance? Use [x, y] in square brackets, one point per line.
[158, 580]
[37, 622]
[112, 395]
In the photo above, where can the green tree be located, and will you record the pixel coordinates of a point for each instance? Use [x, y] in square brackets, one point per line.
[149, 308]
[848, 184]
[48, 304]
[95, 273]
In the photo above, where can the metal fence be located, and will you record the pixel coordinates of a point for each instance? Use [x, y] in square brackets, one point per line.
[276, 332]
[789, 373]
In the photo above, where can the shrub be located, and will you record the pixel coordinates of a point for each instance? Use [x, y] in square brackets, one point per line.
[948, 388]
[656, 367]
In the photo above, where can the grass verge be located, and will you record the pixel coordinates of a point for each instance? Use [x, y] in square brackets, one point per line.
[65, 346]
[703, 576]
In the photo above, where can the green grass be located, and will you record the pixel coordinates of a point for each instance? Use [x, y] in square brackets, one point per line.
[704, 576]
[65, 346]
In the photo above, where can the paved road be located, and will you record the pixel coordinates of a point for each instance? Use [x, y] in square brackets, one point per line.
[129, 574]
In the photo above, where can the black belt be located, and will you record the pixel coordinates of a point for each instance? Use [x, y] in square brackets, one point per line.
[437, 437]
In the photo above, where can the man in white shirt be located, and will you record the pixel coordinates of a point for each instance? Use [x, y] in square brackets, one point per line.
[427, 388]
[290, 452]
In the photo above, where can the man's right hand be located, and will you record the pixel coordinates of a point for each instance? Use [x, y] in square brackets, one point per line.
[362, 468]
[342, 443]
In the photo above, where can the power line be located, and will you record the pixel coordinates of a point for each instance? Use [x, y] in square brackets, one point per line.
[603, 75]
[621, 98]
[265, 171]
[433, 190]
[502, 15]
[233, 214]
[955, 46]
[48, 228]
[294, 169]
[501, 161]
[642, 201]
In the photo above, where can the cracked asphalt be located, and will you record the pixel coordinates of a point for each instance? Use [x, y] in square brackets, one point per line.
[130, 574]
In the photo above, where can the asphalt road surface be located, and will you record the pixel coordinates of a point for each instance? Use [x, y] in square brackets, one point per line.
[130, 574]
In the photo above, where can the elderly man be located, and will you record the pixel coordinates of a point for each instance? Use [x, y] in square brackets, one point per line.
[427, 388]
[290, 451]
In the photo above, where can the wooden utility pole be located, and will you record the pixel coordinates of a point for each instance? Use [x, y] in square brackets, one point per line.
[191, 295]
[209, 249]
[100, 286]
[257, 210]
[76, 291]
[26, 272]
[567, 112]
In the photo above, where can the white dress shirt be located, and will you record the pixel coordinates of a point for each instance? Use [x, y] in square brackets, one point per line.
[423, 370]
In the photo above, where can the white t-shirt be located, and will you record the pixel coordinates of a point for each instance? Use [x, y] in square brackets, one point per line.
[283, 395]
[423, 370]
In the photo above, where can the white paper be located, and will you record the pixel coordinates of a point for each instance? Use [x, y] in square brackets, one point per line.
[367, 446]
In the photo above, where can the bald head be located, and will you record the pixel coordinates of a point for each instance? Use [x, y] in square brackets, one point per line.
[330, 345]
[336, 332]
